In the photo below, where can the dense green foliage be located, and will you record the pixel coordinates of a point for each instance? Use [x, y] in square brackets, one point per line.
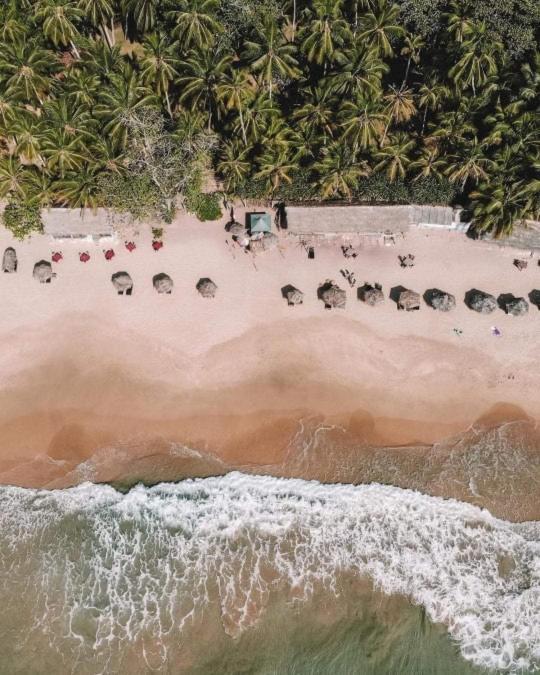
[21, 219]
[124, 101]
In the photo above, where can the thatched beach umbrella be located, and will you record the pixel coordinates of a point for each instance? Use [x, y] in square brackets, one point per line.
[481, 302]
[122, 282]
[441, 300]
[235, 228]
[371, 295]
[9, 260]
[268, 241]
[332, 295]
[206, 287]
[408, 300]
[516, 306]
[43, 272]
[163, 283]
[293, 295]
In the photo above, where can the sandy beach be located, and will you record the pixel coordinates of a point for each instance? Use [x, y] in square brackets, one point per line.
[158, 387]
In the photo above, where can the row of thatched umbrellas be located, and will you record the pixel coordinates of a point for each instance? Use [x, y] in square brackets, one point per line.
[328, 292]
[335, 297]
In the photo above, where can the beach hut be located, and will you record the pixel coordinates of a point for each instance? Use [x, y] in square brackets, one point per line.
[292, 295]
[408, 300]
[163, 283]
[440, 300]
[9, 260]
[123, 283]
[371, 295]
[332, 295]
[206, 287]
[259, 223]
[43, 272]
[515, 306]
[480, 302]
[263, 243]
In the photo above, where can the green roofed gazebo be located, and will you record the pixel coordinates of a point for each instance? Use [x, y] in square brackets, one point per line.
[259, 222]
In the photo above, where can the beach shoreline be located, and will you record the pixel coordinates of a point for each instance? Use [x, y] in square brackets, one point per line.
[120, 389]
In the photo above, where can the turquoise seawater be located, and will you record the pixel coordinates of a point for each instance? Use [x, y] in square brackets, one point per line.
[247, 574]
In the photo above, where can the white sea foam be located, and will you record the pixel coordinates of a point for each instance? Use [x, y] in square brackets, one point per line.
[149, 560]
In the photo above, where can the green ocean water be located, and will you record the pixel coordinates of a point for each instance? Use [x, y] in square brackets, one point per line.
[247, 574]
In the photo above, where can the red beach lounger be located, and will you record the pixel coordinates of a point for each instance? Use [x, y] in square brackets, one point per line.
[130, 246]
[109, 254]
[156, 245]
[84, 257]
[57, 256]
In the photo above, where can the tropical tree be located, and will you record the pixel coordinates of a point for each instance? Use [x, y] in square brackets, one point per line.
[429, 163]
[339, 170]
[395, 157]
[360, 73]
[477, 63]
[326, 34]
[201, 79]
[59, 18]
[234, 93]
[233, 165]
[363, 122]
[400, 106]
[140, 15]
[100, 13]
[28, 70]
[380, 27]
[80, 189]
[195, 24]
[317, 116]
[276, 168]
[62, 151]
[271, 55]
[159, 66]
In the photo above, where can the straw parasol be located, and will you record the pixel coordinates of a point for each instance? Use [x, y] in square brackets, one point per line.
[516, 306]
[206, 287]
[9, 260]
[408, 300]
[163, 283]
[371, 295]
[294, 296]
[122, 282]
[441, 300]
[481, 302]
[43, 272]
[332, 295]
[268, 241]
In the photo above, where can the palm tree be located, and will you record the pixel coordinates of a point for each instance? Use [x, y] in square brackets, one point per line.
[234, 93]
[360, 72]
[107, 156]
[363, 122]
[317, 114]
[14, 178]
[80, 189]
[159, 65]
[459, 21]
[258, 115]
[203, 75]
[497, 206]
[27, 132]
[233, 165]
[63, 152]
[102, 61]
[59, 18]
[432, 95]
[275, 169]
[412, 49]
[126, 95]
[271, 55]
[429, 164]
[477, 63]
[140, 14]
[339, 171]
[380, 27]
[400, 107]
[100, 13]
[396, 156]
[471, 164]
[27, 70]
[66, 115]
[195, 23]
[82, 88]
[326, 33]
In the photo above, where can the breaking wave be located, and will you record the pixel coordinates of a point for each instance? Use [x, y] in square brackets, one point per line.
[98, 569]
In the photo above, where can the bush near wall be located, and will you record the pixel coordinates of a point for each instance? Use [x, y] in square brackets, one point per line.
[22, 220]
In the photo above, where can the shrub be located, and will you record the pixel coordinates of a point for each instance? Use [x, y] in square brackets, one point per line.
[22, 220]
[131, 193]
[432, 191]
[206, 206]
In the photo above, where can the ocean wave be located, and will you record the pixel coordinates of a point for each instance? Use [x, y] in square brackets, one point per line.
[98, 567]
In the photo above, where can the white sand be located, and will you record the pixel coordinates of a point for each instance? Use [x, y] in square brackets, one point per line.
[58, 338]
